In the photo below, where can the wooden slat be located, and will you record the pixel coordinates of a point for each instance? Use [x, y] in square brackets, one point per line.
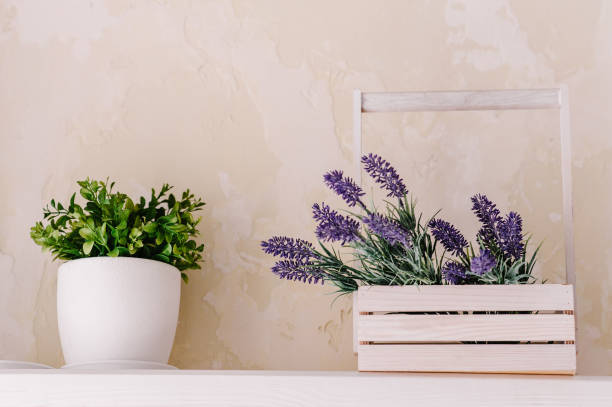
[460, 100]
[566, 176]
[432, 328]
[355, 323]
[537, 359]
[528, 297]
[357, 148]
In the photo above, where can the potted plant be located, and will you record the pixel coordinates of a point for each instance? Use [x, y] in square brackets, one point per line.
[427, 299]
[118, 294]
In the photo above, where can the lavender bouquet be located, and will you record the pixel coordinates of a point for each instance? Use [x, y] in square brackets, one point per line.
[502, 257]
[395, 246]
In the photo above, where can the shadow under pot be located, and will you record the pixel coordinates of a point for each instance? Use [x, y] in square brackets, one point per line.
[117, 311]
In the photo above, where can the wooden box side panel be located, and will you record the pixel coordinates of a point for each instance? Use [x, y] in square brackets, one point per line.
[454, 328]
[526, 359]
[525, 297]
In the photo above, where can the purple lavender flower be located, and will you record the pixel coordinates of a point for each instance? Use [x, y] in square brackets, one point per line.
[345, 187]
[297, 271]
[387, 228]
[288, 248]
[448, 235]
[333, 226]
[454, 272]
[482, 263]
[384, 174]
[510, 232]
[488, 214]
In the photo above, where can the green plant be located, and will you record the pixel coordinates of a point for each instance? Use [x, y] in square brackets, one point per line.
[111, 224]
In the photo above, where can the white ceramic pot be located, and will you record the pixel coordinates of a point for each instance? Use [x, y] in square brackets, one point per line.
[117, 309]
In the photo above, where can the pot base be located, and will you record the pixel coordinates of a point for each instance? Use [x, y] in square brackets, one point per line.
[119, 365]
[17, 364]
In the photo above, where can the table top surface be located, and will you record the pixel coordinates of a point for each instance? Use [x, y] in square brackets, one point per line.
[72, 387]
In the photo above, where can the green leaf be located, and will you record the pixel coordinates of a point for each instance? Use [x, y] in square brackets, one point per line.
[87, 234]
[176, 228]
[87, 246]
[167, 250]
[114, 252]
[171, 201]
[86, 194]
[61, 222]
[185, 278]
[135, 232]
[161, 257]
[150, 227]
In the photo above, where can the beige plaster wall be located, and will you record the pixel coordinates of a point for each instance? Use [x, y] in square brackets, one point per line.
[249, 102]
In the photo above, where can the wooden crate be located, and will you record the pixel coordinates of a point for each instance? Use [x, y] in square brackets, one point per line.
[469, 328]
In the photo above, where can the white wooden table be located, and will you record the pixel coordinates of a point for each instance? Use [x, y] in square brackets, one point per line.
[278, 388]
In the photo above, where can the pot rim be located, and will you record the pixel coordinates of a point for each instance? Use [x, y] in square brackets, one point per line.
[118, 259]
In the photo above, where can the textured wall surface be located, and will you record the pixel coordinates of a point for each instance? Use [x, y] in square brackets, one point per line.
[248, 102]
